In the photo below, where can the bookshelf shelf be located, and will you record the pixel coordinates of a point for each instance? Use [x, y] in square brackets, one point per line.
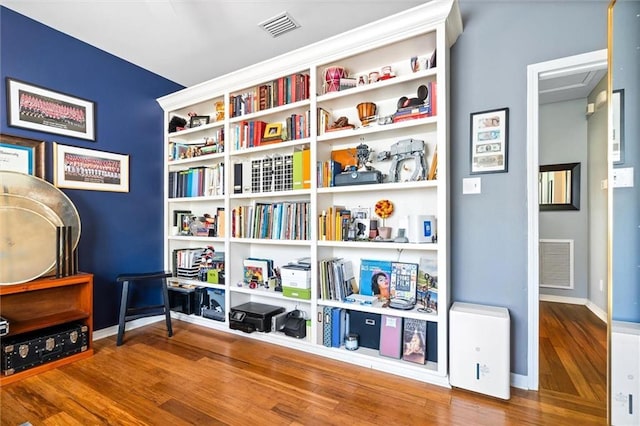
[263, 180]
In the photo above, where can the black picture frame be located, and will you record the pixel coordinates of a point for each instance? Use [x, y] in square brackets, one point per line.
[37, 108]
[198, 120]
[489, 140]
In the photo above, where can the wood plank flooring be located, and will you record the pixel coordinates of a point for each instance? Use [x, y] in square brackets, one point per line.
[205, 377]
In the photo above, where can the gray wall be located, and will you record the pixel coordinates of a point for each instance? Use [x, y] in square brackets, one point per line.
[489, 70]
[563, 139]
[626, 201]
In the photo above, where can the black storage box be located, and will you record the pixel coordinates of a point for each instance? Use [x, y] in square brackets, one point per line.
[253, 316]
[39, 347]
[182, 299]
[367, 326]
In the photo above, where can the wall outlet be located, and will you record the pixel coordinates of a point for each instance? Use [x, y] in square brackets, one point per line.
[601, 285]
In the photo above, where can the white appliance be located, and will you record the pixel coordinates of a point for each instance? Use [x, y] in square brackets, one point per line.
[625, 373]
[479, 349]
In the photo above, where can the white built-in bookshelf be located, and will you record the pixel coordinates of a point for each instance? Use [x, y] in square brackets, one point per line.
[310, 79]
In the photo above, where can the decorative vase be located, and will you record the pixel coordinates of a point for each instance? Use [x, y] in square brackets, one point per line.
[384, 232]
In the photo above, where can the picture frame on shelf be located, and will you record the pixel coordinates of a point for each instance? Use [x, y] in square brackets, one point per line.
[489, 141]
[198, 120]
[22, 155]
[617, 135]
[273, 131]
[38, 108]
[89, 169]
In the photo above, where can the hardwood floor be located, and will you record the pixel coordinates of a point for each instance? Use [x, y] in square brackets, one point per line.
[204, 377]
[573, 353]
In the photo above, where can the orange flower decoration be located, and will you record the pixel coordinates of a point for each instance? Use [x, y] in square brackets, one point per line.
[384, 209]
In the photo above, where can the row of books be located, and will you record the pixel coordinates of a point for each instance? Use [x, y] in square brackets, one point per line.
[282, 91]
[337, 280]
[338, 223]
[278, 221]
[326, 172]
[427, 109]
[394, 337]
[201, 181]
[249, 134]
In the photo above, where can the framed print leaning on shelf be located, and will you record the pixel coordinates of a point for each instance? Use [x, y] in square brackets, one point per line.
[36, 108]
[22, 155]
[80, 168]
[489, 141]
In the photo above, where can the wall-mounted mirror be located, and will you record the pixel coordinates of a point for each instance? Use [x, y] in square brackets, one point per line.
[559, 187]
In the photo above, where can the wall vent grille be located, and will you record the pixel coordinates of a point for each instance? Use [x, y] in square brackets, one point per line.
[279, 24]
[556, 264]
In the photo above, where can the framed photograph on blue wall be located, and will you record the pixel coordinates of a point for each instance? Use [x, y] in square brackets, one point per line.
[81, 168]
[36, 108]
[489, 141]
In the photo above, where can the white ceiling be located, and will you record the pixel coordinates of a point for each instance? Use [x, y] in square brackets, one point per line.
[191, 41]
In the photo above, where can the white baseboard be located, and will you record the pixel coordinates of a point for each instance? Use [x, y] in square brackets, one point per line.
[130, 325]
[519, 381]
[597, 311]
[563, 299]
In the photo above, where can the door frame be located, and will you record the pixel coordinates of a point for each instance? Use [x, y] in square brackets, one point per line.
[591, 60]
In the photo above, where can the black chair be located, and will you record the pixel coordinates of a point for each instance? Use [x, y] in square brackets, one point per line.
[128, 314]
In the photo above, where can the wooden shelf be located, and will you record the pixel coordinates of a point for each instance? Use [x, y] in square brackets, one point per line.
[47, 302]
[37, 323]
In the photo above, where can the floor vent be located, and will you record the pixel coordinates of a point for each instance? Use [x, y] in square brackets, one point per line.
[279, 24]
[556, 264]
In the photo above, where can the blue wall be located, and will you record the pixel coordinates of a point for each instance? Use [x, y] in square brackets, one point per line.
[489, 70]
[121, 232]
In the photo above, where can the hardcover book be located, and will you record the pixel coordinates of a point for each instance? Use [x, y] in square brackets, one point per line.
[414, 340]
[427, 291]
[404, 280]
[375, 276]
[391, 336]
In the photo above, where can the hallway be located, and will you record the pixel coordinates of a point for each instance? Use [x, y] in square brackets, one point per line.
[573, 354]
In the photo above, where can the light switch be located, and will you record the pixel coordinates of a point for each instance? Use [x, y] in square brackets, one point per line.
[471, 185]
[623, 178]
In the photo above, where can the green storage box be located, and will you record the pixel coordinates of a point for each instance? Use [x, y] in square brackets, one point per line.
[298, 293]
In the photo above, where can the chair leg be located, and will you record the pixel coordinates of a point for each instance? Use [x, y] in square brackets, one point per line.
[167, 309]
[123, 312]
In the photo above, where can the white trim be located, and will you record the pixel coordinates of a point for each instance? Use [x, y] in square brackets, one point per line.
[519, 381]
[563, 299]
[597, 311]
[130, 325]
[596, 58]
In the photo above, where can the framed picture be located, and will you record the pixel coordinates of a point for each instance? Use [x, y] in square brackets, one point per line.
[36, 108]
[198, 120]
[80, 168]
[617, 133]
[489, 141]
[22, 155]
[273, 130]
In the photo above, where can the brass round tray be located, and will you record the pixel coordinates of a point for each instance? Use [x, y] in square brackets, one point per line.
[30, 211]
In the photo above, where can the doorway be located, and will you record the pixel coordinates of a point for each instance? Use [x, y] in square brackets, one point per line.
[561, 69]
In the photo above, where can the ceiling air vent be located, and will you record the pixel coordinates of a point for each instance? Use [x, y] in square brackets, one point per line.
[279, 24]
